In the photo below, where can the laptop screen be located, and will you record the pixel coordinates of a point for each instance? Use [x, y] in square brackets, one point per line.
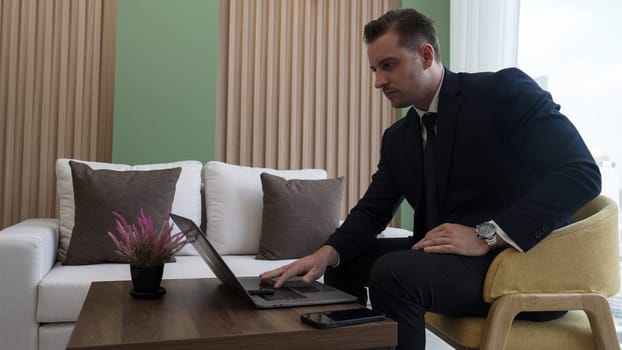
[208, 253]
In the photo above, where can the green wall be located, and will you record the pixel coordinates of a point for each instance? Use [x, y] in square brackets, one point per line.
[438, 10]
[166, 73]
[165, 84]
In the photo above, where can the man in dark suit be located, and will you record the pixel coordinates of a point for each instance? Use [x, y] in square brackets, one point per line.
[486, 160]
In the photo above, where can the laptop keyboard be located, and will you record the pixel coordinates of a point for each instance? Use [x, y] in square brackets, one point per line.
[283, 294]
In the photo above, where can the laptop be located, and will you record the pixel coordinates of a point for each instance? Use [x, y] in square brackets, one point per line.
[293, 293]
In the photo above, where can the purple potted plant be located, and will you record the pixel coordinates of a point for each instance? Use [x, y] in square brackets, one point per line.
[146, 250]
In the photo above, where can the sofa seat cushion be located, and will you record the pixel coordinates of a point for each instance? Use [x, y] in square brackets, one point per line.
[63, 290]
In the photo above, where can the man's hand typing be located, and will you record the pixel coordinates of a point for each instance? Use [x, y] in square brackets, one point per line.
[310, 267]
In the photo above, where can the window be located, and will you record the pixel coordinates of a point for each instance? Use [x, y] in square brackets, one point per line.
[572, 48]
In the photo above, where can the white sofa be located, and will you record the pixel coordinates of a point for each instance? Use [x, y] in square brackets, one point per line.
[40, 298]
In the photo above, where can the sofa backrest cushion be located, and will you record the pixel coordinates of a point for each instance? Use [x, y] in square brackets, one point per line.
[98, 193]
[187, 200]
[234, 204]
[298, 215]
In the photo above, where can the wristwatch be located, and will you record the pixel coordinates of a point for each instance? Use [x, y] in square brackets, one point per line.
[487, 232]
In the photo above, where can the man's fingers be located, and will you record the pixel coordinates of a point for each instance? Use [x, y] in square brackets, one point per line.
[311, 276]
[443, 249]
[431, 241]
[310, 267]
[451, 239]
[280, 282]
[274, 273]
[436, 229]
[293, 271]
[269, 274]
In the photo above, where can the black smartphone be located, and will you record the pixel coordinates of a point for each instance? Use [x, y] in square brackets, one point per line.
[332, 319]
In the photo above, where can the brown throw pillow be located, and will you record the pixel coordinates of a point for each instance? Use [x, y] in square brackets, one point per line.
[99, 192]
[298, 215]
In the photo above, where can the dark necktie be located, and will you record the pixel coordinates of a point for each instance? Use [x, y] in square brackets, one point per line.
[429, 173]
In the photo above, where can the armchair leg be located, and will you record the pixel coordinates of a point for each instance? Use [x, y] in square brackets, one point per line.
[505, 309]
[498, 323]
[598, 312]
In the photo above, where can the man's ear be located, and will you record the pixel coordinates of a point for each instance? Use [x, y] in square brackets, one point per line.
[426, 51]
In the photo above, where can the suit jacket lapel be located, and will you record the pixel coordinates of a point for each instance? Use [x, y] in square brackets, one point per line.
[449, 103]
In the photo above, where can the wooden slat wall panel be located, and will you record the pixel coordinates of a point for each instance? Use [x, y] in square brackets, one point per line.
[56, 96]
[295, 89]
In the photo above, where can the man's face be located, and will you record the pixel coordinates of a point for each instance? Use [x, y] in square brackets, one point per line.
[399, 72]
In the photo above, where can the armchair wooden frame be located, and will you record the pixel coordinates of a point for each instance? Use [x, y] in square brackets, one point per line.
[575, 268]
[505, 309]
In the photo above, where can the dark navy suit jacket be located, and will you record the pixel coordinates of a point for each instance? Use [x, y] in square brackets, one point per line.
[504, 152]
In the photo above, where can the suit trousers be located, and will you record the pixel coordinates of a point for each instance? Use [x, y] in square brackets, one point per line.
[404, 284]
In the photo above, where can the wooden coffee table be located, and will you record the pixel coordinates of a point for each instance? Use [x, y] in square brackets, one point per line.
[203, 314]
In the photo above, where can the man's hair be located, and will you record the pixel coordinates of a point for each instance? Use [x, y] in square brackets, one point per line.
[412, 27]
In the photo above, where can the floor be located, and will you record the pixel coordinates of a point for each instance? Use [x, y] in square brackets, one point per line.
[435, 343]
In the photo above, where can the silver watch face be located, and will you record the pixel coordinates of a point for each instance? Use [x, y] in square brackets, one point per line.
[485, 230]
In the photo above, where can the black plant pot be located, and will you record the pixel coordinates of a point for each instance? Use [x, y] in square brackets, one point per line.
[146, 281]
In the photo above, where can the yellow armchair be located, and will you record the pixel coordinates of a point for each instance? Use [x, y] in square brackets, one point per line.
[575, 268]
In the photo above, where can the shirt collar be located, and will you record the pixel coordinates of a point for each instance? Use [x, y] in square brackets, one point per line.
[434, 104]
